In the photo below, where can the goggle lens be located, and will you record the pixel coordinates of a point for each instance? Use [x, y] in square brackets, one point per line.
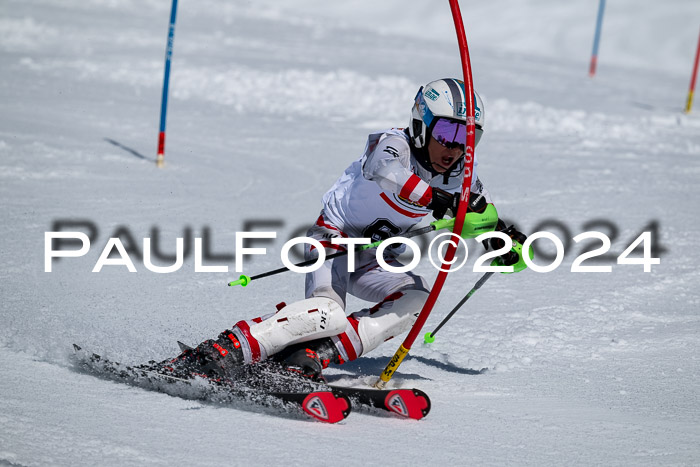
[452, 134]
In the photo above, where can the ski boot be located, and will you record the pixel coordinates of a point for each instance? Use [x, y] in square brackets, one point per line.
[213, 359]
[309, 359]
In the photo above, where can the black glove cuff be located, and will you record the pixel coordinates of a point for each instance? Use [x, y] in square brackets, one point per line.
[441, 202]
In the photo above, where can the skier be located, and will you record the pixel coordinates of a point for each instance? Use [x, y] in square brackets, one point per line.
[403, 175]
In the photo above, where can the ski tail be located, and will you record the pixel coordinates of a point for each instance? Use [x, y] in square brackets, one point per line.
[183, 347]
[318, 402]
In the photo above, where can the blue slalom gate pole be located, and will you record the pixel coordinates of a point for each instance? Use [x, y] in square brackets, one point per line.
[166, 81]
[596, 40]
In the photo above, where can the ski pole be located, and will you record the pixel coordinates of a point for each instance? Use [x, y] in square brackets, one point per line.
[430, 336]
[435, 225]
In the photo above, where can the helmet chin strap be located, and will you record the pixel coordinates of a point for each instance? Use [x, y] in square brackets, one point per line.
[444, 169]
[447, 172]
[450, 169]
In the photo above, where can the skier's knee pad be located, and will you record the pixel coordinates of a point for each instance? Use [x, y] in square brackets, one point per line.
[389, 318]
[301, 321]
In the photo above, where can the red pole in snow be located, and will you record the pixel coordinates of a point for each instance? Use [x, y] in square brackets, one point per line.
[689, 102]
[401, 353]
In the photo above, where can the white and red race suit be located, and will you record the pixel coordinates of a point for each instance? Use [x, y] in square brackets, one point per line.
[382, 194]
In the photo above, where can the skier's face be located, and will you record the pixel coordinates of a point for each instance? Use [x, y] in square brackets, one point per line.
[442, 157]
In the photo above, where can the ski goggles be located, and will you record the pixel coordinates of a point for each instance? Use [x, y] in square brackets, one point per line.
[453, 134]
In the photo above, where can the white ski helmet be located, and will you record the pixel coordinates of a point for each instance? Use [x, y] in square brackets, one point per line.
[443, 98]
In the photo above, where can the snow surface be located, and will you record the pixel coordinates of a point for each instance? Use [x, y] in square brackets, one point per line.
[269, 103]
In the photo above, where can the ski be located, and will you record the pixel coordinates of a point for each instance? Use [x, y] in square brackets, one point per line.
[409, 403]
[316, 401]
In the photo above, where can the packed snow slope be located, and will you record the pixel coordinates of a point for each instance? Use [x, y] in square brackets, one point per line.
[269, 103]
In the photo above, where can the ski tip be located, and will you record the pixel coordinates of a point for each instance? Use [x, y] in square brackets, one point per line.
[326, 406]
[409, 403]
[77, 348]
[183, 347]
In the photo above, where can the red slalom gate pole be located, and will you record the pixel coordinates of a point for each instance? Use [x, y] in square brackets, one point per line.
[401, 353]
[691, 91]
